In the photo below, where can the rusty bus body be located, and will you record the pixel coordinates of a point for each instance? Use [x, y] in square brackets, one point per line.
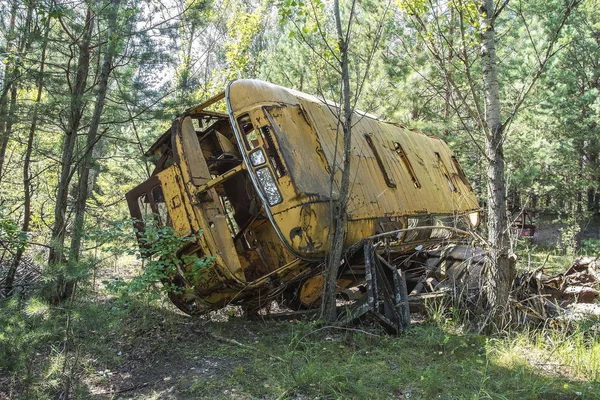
[256, 182]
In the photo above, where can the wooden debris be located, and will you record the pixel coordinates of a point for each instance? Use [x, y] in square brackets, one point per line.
[539, 296]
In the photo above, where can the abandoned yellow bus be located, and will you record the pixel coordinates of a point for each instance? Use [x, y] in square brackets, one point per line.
[254, 185]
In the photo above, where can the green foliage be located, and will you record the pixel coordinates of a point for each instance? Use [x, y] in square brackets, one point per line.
[160, 247]
[558, 139]
[419, 7]
[552, 151]
[174, 56]
[11, 237]
[33, 348]
[305, 53]
[28, 329]
[569, 237]
[189, 358]
[591, 247]
[242, 29]
[29, 341]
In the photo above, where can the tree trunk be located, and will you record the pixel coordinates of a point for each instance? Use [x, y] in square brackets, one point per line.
[10, 276]
[8, 83]
[57, 241]
[337, 232]
[448, 90]
[534, 202]
[92, 137]
[10, 119]
[593, 167]
[501, 269]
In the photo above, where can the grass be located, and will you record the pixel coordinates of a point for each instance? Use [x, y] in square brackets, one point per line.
[116, 349]
[554, 261]
[152, 352]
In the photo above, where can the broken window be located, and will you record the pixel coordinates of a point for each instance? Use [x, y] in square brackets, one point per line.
[248, 132]
[161, 206]
[145, 207]
[461, 173]
[229, 214]
[400, 151]
[152, 205]
[257, 158]
[389, 180]
[272, 153]
[445, 173]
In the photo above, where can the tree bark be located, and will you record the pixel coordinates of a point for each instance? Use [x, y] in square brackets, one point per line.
[593, 167]
[83, 191]
[8, 83]
[10, 119]
[10, 276]
[57, 241]
[11, 85]
[500, 271]
[337, 232]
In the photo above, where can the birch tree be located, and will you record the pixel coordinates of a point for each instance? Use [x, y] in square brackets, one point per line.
[477, 102]
[331, 31]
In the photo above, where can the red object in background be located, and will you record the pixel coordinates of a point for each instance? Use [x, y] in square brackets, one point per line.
[525, 225]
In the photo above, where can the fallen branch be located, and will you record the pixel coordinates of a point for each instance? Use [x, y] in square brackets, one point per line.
[244, 346]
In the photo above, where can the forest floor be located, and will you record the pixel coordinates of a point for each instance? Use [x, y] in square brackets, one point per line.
[157, 353]
[240, 359]
[125, 350]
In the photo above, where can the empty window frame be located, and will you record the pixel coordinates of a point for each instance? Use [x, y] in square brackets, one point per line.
[461, 173]
[230, 215]
[145, 207]
[445, 173]
[161, 206]
[389, 180]
[248, 132]
[272, 153]
[153, 206]
[402, 154]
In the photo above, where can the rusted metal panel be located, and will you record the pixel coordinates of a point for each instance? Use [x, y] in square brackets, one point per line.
[170, 180]
[371, 196]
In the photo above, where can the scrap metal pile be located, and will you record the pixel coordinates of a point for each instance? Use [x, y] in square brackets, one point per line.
[397, 285]
[540, 296]
[456, 271]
